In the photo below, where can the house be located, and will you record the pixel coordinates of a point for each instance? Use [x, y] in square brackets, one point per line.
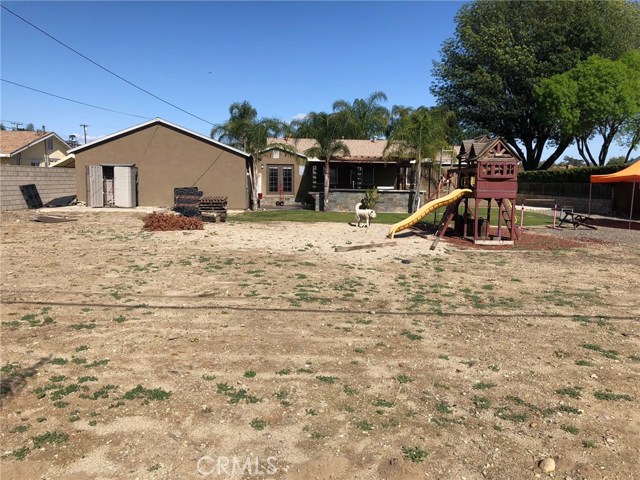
[142, 165]
[297, 178]
[282, 176]
[32, 148]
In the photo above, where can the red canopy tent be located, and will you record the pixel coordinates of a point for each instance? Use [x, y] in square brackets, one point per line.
[631, 174]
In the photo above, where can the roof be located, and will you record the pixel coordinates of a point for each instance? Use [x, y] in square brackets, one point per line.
[359, 150]
[158, 121]
[477, 148]
[13, 142]
[278, 146]
[631, 174]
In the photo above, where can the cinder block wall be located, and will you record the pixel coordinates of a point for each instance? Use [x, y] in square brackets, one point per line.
[51, 183]
[345, 201]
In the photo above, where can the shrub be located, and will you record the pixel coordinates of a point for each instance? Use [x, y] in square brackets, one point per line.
[371, 197]
[571, 175]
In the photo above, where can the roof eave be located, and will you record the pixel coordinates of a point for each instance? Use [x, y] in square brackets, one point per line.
[148, 124]
[37, 140]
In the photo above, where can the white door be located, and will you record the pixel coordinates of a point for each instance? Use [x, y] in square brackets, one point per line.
[124, 181]
[95, 186]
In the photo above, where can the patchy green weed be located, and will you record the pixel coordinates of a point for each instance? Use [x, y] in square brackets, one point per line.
[55, 437]
[146, 393]
[258, 424]
[327, 379]
[608, 395]
[484, 385]
[415, 454]
[573, 392]
[402, 378]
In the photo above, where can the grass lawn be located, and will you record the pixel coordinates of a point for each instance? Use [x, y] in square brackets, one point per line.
[531, 218]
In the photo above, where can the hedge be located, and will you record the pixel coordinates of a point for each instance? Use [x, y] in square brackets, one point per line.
[571, 175]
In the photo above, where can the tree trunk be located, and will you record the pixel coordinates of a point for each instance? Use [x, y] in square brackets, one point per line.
[327, 179]
[254, 182]
[562, 146]
[627, 157]
[607, 139]
[417, 181]
[533, 156]
[585, 153]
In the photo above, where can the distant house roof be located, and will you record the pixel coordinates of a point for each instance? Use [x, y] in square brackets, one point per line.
[158, 121]
[365, 151]
[13, 142]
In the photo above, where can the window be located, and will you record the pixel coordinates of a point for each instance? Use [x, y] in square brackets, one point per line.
[280, 179]
[276, 154]
[49, 143]
[273, 179]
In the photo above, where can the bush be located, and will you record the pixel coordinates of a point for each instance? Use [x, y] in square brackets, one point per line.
[166, 222]
[371, 198]
[571, 175]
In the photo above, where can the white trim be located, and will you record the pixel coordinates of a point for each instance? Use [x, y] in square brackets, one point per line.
[152, 122]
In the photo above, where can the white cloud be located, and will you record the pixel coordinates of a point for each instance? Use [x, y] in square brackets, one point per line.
[300, 116]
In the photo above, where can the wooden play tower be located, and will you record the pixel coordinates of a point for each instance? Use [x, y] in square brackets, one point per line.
[489, 168]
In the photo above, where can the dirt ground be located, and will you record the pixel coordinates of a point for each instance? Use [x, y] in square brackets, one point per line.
[256, 351]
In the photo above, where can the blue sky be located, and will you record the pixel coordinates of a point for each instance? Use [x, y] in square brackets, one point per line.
[286, 58]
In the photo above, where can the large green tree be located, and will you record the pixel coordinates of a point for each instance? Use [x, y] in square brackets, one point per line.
[502, 49]
[364, 118]
[595, 99]
[418, 134]
[325, 130]
[245, 131]
[629, 136]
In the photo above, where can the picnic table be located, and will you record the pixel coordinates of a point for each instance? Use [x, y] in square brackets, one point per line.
[567, 215]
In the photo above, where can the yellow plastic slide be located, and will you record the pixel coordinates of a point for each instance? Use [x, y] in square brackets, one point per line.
[426, 209]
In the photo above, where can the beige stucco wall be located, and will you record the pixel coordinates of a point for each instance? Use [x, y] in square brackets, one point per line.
[38, 153]
[286, 158]
[167, 158]
[50, 182]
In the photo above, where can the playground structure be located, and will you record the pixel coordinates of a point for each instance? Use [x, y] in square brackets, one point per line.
[487, 171]
[427, 208]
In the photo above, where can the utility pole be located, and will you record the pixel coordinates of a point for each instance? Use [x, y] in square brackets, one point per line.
[84, 126]
[16, 125]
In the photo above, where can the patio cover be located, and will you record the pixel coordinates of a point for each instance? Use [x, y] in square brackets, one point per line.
[631, 174]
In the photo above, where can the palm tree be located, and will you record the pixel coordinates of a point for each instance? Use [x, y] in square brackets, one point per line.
[419, 134]
[324, 128]
[246, 132]
[364, 118]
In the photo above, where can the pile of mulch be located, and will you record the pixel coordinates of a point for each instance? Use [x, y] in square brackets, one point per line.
[530, 241]
[538, 240]
[163, 222]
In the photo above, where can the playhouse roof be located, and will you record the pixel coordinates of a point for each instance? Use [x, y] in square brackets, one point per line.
[630, 174]
[480, 147]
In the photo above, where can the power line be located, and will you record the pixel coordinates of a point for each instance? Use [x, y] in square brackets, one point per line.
[104, 68]
[74, 101]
